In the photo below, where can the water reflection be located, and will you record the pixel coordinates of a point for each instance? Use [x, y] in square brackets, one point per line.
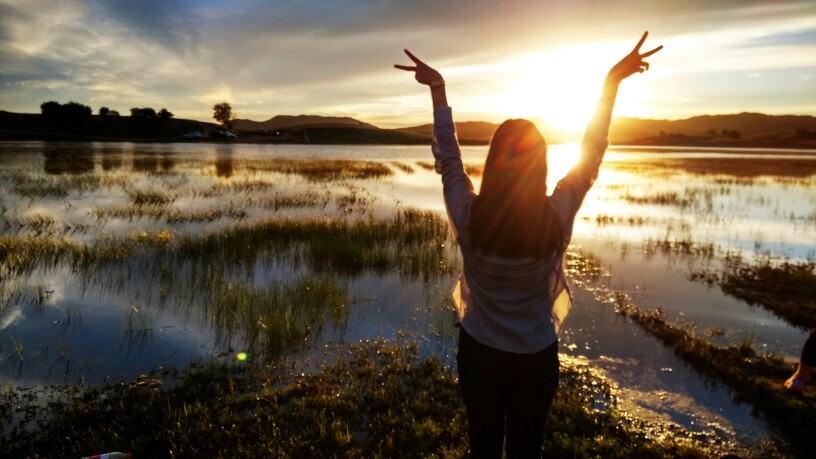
[75, 160]
[224, 161]
[152, 161]
[111, 158]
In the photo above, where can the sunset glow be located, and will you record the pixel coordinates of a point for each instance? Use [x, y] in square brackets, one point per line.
[540, 60]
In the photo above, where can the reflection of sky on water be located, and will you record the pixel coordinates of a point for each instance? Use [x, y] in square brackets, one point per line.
[640, 365]
[755, 218]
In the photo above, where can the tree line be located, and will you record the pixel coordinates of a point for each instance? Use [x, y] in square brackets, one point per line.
[75, 111]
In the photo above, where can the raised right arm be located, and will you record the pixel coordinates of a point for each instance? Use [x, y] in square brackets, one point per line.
[456, 185]
[596, 137]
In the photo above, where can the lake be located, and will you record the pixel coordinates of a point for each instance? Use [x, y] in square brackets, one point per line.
[122, 258]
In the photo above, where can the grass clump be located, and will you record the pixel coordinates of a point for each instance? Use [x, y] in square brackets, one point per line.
[412, 242]
[290, 201]
[403, 167]
[169, 215]
[474, 170]
[426, 165]
[52, 186]
[377, 400]
[787, 289]
[321, 170]
[151, 198]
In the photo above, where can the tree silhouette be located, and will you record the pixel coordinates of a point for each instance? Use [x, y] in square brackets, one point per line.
[146, 112]
[71, 112]
[165, 114]
[223, 114]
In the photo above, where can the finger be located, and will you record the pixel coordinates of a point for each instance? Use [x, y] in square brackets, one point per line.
[640, 43]
[645, 66]
[405, 67]
[647, 54]
[412, 57]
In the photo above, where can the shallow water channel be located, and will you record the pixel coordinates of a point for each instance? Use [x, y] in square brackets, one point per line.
[186, 257]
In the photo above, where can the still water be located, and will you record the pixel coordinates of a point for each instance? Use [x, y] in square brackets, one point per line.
[63, 322]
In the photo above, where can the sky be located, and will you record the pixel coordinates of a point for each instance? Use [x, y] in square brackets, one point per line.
[535, 59]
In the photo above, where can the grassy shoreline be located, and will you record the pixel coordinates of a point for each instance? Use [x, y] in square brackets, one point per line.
[377, 399]
[753, 377]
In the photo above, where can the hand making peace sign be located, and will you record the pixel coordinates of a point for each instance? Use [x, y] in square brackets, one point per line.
[633, 62]
[424, 74]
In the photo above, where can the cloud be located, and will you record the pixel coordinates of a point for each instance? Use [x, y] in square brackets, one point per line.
[806, 37]
[288, 56]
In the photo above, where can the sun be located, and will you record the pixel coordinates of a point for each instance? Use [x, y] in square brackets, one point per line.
[558, 89]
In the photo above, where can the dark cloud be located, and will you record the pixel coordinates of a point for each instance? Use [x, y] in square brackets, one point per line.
[173, 24]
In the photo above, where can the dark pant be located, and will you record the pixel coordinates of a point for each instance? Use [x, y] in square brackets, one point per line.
[809, 351]
[504, 390]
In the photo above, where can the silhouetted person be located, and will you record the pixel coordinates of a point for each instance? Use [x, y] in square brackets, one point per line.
[807, 363]
[512, 297]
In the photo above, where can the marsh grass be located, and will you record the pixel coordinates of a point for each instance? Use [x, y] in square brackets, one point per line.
[137, 320]
[291, 201]
[267, 322]
[21, 255]
[670, 198]
[628, 220]
[248, 186]
[739, 168]
[321, 170]
[376, 400]
[426, 165]
[413, 242]
[787, 289]
[753, 377]
[403, 167]
[679, 245]
[151, 198]
[474, 170]
[171, 216]
[355, 198]
[37, 186]
[209, 275]
[33, 221]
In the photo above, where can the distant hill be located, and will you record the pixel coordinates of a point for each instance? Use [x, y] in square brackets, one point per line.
[750, 130]
[694, 131]
[475, 131]
[300, 121]
[749, 126]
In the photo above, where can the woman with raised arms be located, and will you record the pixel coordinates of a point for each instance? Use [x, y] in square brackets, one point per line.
[512, 297]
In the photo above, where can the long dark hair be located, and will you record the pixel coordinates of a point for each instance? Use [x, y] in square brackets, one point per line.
[511, 216]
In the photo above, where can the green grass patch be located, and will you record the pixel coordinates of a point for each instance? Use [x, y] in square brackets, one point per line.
[377, 400]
